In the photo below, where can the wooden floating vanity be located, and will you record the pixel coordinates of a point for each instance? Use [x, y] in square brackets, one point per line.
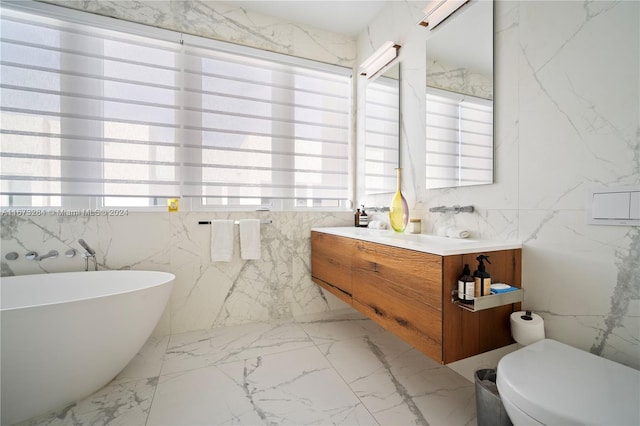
[404, 282]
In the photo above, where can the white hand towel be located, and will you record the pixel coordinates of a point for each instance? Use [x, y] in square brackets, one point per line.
[221, 240]
[456, 233]
[250, 239]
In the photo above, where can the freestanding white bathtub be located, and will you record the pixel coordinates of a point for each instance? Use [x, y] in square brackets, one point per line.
[66, 335]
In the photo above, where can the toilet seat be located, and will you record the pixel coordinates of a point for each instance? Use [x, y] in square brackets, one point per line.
[554, 383]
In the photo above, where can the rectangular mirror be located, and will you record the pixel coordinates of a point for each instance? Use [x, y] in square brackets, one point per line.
[382, 131]
[459, 96]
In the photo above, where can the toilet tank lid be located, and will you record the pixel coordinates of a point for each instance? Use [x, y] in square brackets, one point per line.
[557, 384]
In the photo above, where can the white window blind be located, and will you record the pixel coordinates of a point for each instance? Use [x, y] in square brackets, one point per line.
[93, 111]
[86, 111]
[459, 139]
[264, 131]
[382, 136]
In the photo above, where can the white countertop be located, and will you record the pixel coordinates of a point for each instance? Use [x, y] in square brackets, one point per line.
[425, 243]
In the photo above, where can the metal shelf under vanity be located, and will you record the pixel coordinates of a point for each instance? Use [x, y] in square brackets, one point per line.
[490, 301]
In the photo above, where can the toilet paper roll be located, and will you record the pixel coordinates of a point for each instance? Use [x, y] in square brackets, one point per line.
[526, 331]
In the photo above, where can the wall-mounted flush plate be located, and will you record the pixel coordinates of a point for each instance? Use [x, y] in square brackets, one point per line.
[614, 206]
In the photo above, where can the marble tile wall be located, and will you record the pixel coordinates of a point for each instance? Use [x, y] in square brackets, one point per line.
[206, 294]
[567, 110]
[227, 21]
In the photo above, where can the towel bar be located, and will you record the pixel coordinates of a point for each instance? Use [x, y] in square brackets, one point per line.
[237, 222]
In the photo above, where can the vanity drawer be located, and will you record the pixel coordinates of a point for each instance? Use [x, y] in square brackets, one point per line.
[404, 273]
[331, 263]
[415, 323]
[401, 290]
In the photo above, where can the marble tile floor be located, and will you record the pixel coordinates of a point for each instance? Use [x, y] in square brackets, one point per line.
[338, 368]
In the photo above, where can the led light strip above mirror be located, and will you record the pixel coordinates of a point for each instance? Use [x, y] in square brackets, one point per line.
[379, 59]
[439, 10]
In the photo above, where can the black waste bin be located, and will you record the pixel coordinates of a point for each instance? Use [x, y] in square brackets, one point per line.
[489, 408]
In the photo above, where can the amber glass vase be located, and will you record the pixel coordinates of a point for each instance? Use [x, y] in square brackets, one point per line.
[399, 210]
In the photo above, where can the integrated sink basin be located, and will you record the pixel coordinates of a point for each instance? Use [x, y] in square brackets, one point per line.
[426, 243]
[428, 239]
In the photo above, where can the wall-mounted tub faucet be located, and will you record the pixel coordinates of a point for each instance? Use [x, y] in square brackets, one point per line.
[32, 255]
[89, 253]
[51, 255]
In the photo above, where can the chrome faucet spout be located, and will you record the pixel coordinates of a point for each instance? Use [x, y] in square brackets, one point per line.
[464, 209]
[51, 255]
[454, 209]
[378, 209]
[439, 209]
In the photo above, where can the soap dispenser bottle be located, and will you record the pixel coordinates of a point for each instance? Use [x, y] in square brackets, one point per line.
[482, 277]
[364, 218]
[356, 220]
[466, 284]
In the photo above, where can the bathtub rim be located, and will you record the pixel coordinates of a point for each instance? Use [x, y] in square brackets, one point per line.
[163, 279]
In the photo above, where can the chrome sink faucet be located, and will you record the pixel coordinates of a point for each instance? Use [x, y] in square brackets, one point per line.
[378, 209]
[89, 253]
[455, 209]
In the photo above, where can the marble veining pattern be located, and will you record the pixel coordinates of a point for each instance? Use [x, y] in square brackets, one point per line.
[206, 294]
[626, 293]
[229, 22]
[331, 368]
[459, 80]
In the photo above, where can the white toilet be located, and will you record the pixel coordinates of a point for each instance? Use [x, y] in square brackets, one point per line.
[551, 383]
